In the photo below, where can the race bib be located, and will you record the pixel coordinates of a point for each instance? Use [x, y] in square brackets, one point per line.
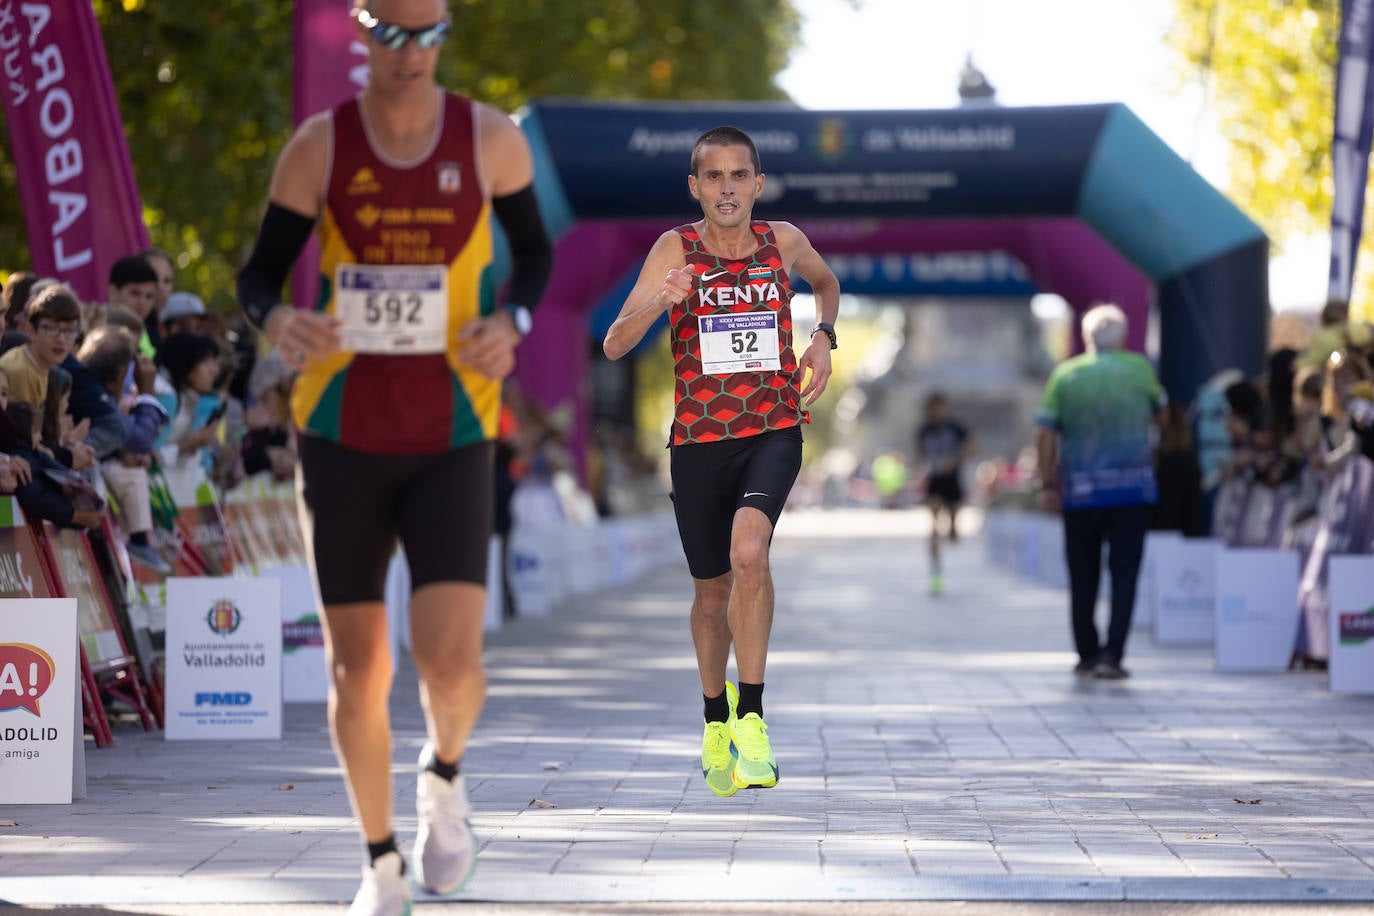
[395, 309]
[739, 343]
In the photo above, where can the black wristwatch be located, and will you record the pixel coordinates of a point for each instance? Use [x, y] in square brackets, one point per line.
[829, 330]
[520, 317]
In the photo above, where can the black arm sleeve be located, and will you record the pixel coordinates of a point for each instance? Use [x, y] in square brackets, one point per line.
[280, 241]
[530, 249]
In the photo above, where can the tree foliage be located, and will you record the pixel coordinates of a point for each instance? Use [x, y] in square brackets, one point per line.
[1269, 69]
[1269, 72]
[205, 93]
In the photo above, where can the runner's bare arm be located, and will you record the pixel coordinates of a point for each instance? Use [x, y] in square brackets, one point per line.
[664, 281]
[507, 163]
[507, 167]
[298, 178]
[808, 264]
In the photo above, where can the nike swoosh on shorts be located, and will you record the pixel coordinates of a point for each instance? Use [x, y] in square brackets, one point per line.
[755, 493]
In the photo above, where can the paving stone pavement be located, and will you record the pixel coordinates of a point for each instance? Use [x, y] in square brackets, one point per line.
[930, 749]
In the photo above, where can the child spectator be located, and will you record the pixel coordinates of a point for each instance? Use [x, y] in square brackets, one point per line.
[133, 285]
[107, 354]
[55, 315]
[66, 441]
[51, 491]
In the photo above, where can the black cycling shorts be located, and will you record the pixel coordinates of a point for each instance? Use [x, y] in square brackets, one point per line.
[358, 504]
[712, 480]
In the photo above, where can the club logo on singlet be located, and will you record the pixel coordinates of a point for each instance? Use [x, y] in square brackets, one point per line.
[363, 182]
[450, 178]
[367, 215]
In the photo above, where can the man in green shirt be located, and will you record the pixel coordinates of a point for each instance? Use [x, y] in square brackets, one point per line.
[1096, 463]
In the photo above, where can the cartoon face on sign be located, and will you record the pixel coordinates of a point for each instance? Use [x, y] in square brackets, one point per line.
[26, 672]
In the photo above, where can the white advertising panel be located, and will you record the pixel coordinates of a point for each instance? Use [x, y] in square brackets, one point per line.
[1351, 584]
[224, 651]
[39, 728]
[1185, 582]
[1146, 585]
[1257, 609]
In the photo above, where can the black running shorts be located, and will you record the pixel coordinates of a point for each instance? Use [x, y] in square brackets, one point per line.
[946, 488]
[711, 480]
[358, 504]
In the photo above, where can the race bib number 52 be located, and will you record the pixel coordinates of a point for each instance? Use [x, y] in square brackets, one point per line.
[392, 309]
[739, 343]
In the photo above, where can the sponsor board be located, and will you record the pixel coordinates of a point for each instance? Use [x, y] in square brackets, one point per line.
[1351, 664]
[1257, 608]
[224, 658]
[1185, 591]
[39, 725]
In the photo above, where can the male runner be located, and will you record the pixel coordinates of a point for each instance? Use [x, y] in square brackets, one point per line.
[736, 438]
[397, 400]
[942, 445]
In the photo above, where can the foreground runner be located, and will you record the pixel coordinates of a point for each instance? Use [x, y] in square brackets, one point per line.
[736, 439]
[397, 401]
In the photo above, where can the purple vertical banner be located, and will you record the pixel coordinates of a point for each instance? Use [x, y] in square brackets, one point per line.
[81, 205]
[331, 66]
[1350, 145]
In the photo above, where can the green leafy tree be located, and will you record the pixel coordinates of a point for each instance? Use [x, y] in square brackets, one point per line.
[1269, 71]
[205, 93]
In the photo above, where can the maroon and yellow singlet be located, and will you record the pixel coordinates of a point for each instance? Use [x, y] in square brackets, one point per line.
[405, 248]
[732, 345]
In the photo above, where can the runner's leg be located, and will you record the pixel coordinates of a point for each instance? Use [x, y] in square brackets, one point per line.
[446, 641]
[358, 654]
[751, 598]
[711, 632]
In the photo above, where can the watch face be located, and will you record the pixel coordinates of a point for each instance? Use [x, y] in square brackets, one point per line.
[522, 318]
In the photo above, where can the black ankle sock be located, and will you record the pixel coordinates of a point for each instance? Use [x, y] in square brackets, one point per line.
[445, 771]
[140, 538]
[750, 699]
[717, 708]
[376, 850]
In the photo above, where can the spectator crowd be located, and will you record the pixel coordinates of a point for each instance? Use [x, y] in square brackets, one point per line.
[109, 402]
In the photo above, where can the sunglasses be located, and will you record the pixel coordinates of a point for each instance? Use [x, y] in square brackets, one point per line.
[395, 37]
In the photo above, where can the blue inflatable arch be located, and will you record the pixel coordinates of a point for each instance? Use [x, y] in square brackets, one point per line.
[1093, 203]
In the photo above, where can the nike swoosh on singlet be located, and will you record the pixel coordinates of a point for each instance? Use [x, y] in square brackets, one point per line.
[712, 275]
[755, 493]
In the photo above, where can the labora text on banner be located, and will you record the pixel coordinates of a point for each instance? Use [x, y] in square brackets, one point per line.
[81, 207]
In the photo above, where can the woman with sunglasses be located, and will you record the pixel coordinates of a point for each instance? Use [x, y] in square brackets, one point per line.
[398, 402]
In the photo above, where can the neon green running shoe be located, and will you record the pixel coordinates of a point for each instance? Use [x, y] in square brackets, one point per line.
[718, 752]
[756, 768]
[937, 583]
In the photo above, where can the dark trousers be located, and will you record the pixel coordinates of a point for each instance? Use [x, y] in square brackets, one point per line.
[1123, 529]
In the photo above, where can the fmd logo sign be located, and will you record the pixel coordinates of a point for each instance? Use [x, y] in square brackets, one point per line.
[210, 698]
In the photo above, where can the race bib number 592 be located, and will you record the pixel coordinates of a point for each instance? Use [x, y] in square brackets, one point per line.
[392, 309]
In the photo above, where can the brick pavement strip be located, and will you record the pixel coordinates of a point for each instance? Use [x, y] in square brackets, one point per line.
[930, 748]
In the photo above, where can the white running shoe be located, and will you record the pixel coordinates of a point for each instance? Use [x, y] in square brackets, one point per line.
[445, 847]
[384, 891]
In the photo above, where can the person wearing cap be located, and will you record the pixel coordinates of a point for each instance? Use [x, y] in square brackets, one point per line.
[183, 313]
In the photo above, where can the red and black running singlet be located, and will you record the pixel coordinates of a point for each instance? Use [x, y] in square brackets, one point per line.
[747, 384]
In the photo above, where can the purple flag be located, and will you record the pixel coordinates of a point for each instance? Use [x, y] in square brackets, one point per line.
[331, 66]
[81, 205]
[1350, 146]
